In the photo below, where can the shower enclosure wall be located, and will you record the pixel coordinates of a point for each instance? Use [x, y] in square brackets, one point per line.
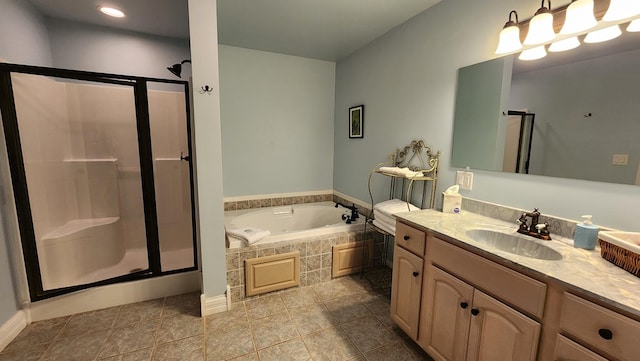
[101, 175]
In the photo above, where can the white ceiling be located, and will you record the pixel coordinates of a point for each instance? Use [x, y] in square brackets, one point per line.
[157, 17]
[320, 29]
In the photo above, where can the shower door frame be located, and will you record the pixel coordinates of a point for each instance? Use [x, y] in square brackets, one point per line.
[19, 180]
[523, 159]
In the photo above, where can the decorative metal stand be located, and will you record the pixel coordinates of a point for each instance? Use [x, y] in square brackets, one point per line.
[417, 157]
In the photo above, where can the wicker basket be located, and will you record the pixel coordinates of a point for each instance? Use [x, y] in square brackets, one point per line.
[621, 257]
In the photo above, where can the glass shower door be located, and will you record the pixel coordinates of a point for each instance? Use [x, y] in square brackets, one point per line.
[171, 148]
[79, 145]
[101, 175]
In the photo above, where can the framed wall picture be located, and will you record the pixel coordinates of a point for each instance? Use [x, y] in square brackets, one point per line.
[356, 121]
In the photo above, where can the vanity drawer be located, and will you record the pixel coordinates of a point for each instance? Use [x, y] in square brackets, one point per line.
[601, 328]
[503, 283]
[410, 239]
[567, 350]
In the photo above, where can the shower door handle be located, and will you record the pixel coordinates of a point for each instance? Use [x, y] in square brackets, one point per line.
[185, 157]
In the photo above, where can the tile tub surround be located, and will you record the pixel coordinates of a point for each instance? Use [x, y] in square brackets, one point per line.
[343, 319]
[262, 202]
[315, 258]
[580, 270]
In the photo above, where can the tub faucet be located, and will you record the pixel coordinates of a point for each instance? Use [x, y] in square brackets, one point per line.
[354, 212]
[534, 229]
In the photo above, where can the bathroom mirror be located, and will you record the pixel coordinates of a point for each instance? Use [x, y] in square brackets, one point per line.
[582, 112]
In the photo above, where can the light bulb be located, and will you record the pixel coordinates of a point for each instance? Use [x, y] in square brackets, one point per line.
[566, 44]
[111, 11]
[634, 26]
[540, 29]
[621, 9]
[509, 36]
[602, 35]
[579, 17]
[509, 40]
[533, 53]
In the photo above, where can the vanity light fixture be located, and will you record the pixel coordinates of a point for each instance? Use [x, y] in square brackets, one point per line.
[622, 9]
[603, 35]
[565, 44]
[541, 26]
[533, 54]
[634, 26]
[116, 13]
[579, 17]
[509, 36]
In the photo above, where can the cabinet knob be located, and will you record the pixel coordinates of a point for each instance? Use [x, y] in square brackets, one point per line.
[415, 274]
[406, 237]
[605, 333]
[475, 311]
[464, 305]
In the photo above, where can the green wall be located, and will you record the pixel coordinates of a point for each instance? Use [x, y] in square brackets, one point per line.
[407, 81]
[277, 121]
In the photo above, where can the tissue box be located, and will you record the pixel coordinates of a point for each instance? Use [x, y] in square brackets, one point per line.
[451, 203]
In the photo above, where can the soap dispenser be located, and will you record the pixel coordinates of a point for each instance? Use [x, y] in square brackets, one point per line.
[586, 234]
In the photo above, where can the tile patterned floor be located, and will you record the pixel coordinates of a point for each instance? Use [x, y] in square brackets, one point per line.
[344, 319]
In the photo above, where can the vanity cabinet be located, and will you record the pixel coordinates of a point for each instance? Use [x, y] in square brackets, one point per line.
[462, 303]
[463, 323]
[407, 278]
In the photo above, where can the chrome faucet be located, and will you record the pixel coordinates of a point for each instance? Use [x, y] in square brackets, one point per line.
[354, 213]
[535, 228]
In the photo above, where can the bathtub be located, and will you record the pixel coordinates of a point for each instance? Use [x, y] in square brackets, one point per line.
[294, 222]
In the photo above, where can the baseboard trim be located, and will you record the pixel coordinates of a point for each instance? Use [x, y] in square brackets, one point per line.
[12, 328]
[211, 305]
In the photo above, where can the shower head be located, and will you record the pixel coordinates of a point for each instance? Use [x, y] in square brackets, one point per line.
[176, 69]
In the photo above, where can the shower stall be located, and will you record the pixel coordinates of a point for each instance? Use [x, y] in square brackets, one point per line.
[101, 175]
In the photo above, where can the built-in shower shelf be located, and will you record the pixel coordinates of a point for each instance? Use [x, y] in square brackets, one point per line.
[78, 225]
[90, 160]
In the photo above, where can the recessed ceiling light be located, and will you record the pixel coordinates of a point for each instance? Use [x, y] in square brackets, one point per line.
[111, 11]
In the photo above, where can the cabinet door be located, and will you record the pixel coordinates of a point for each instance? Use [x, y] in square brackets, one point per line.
[567, 350]
[500, 333]
[406, 289]
[446, 307]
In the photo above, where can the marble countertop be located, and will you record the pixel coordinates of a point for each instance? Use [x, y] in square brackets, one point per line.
[581, 270]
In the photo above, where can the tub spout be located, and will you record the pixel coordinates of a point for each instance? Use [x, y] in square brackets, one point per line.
[354, 211]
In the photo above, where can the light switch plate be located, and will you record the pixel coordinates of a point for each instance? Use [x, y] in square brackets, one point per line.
[468, 181]
[464, 180]
[620, 159]
[460, 177]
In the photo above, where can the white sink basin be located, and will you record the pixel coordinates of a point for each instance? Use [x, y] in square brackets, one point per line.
[514, 244]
